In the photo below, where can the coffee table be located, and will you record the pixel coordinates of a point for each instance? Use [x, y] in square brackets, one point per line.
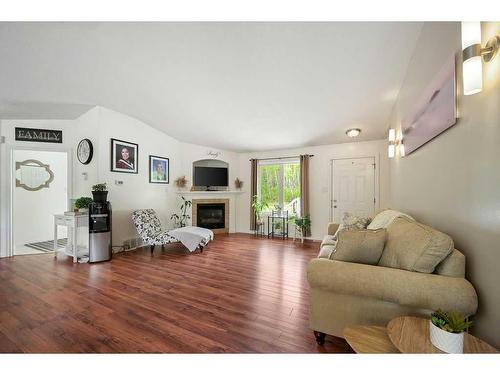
[411, 335]
[369, 340]
[405, 334]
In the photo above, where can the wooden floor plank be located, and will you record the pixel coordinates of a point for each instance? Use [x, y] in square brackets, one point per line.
[241, 295]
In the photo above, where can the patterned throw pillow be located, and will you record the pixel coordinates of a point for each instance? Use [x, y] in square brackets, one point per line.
[352, 222]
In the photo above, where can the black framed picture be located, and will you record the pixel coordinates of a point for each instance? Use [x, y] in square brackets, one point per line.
[124, 156]
[159, 170]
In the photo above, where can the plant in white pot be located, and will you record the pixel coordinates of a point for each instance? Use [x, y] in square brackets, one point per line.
[82, 204]
[303, 225]
[446, 330]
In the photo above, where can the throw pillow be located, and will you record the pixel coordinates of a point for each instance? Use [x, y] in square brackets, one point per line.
[385, 218]
[414, 246]
[360, 246]
[328, 240]
[350, 221]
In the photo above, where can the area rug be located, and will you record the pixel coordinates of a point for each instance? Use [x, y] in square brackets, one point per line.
[48, 246]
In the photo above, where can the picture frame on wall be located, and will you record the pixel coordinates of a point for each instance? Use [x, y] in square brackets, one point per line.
[124, 156]
[159, 170]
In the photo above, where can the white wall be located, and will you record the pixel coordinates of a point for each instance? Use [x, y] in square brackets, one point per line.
[320, 175]
[100, 125]
[7, 131]
[136, 192]
[451, 183]
[33, 210]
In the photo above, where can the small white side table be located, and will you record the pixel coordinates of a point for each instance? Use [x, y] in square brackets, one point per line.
[72, 222]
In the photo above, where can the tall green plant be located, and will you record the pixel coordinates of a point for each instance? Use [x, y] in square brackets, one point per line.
[259, 206]
[181, 219]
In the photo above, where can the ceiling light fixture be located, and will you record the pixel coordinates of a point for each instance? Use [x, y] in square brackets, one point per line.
[354, 132]
[473, 54]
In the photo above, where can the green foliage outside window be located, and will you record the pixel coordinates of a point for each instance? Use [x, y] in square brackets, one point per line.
[279, 184]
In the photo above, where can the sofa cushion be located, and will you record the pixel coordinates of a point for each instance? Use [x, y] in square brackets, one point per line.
[414, 246]
[326, 251]
[360, 246]
[328, 240]
[385, 218]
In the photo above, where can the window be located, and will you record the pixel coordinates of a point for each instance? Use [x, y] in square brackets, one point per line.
[279, 185]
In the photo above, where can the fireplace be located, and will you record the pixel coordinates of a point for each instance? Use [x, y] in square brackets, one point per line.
[212, 214]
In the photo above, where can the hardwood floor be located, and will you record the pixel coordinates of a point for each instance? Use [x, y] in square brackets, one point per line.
[242, 294]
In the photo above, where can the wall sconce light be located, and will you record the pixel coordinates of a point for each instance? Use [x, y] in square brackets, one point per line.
[473, 54]
[395, 143]
[354, 132]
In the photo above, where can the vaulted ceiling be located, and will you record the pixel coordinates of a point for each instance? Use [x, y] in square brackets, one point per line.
[236, 86]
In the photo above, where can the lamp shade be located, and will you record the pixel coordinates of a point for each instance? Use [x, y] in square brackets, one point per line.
[402, 151]
[472, 64]
[392, 135]
[473, 75]
[471, 34]
[391, 151]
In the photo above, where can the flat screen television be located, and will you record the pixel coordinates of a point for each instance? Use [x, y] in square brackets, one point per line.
[210, 176]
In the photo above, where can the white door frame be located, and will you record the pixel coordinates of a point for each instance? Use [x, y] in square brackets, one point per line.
[376, 158]
[11, 183]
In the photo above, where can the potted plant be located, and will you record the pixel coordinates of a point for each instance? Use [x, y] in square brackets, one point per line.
[181, 219]
[446, 330]
[303, 224]
[100, 193]
[258, 206]
[82, 203]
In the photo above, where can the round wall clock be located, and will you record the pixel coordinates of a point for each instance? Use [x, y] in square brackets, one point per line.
[85, 151]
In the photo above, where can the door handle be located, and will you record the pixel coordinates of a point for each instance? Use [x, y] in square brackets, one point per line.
[334, 206]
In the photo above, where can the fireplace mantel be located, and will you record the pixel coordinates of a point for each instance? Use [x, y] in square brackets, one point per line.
[209, 193]
[231, 196]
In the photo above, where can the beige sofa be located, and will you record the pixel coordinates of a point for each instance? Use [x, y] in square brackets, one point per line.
[344, 294]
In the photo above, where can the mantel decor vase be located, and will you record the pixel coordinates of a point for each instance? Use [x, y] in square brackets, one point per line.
[448, 342]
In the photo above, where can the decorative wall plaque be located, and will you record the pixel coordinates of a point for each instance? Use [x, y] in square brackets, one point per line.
[33, 175]
[38, 135]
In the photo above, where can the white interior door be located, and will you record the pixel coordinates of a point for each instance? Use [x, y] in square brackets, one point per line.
[353, 187]
[37, 196]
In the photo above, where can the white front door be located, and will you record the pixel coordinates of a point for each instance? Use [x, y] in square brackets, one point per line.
[353, 187]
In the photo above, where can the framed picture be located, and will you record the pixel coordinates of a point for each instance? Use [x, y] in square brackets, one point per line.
[159, 170]
[124, 156]
[434, 112]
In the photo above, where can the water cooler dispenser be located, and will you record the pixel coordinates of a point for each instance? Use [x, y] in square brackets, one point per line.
[100, 232]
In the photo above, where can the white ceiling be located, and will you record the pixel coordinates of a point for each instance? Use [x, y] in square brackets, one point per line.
[236, 86]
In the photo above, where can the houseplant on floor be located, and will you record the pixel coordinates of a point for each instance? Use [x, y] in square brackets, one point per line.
[100, 193]
[302, 224]
[258, 206]
[181, 219]
[446, 330]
